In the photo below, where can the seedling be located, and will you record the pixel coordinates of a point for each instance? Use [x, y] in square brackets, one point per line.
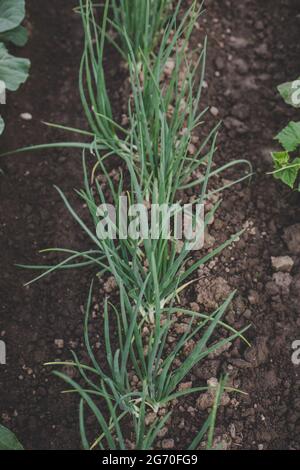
[287, 162]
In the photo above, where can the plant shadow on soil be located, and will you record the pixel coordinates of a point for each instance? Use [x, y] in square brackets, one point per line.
[253, 47]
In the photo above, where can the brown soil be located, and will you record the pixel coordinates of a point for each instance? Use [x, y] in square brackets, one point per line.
[253, 47]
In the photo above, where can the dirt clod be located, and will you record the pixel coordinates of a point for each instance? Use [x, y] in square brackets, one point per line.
[282, 263]
[206, 400]
[168, 444]
[212, 291]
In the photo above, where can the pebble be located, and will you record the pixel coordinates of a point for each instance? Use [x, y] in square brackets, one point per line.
[163, 432]
[192, 149]
[185, 386]
[26, 116]
[170, 66]
[150, 418]
[206, 400]
[214, 111]
[282, 263]
[247, 314]
[232, 430]
[59, 343]
[168, 444]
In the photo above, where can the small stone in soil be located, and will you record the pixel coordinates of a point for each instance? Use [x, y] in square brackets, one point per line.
[163, 432]
[59, 343]
[206, 400]
[282, 263]
[150, 418]
[168, 444]
[185, 386]
[214, 111]
[26, 116]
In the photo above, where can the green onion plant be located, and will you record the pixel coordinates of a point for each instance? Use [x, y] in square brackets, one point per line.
[155, 153]
[107, 389]
[157, 166]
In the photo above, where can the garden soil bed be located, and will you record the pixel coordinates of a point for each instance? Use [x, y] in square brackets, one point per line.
[253, 46]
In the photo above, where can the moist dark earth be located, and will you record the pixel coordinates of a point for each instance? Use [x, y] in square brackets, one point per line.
[253, 46]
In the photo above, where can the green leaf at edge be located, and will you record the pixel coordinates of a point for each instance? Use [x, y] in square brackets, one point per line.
[13, 70]
[8, 440]
[18, 36]
[12, 13]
